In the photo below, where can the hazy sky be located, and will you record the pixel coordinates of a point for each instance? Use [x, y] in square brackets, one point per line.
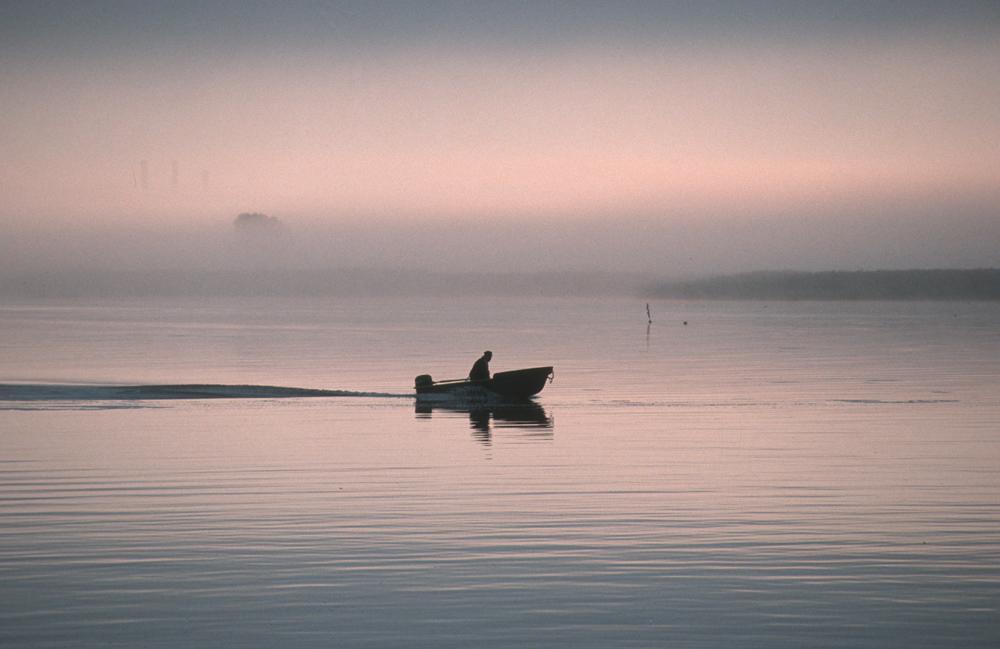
[664, 137]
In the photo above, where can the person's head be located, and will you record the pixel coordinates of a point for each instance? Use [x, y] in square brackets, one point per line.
[488, 354]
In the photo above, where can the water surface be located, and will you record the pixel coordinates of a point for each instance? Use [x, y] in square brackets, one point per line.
[803, 474]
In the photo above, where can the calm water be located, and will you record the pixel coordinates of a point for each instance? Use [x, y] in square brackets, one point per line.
[773, 475]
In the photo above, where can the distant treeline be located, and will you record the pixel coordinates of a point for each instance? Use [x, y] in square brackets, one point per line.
[977, 284]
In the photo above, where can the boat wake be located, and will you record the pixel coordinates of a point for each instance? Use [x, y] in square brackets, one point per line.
[91, 393]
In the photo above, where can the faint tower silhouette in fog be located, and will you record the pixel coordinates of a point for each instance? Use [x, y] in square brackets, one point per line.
[144, 174]
[174, 175]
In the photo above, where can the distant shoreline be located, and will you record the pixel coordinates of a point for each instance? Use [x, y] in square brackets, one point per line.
[917, 284]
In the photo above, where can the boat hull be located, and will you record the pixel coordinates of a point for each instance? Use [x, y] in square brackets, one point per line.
[515, 385]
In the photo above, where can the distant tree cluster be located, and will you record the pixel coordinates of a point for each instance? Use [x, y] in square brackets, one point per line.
[975, 284]
[255, 221]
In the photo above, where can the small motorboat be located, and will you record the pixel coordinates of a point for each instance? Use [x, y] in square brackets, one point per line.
[512, 385]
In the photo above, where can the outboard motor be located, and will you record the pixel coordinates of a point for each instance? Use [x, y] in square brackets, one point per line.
[423, 381]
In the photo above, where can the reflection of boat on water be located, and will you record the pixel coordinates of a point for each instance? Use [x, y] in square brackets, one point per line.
[520, 415]
[527, 416]
[512, 385]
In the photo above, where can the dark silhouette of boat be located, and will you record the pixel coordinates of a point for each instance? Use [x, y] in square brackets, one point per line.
[513, 385]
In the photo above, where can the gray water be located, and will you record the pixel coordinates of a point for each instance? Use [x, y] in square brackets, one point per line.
[769, 474]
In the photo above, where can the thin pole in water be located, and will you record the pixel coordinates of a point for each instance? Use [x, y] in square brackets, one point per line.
[649, 324]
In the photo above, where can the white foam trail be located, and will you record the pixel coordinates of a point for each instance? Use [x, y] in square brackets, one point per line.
[51, 392]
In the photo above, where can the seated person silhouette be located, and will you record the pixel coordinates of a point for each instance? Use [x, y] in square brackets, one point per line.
[481, 369]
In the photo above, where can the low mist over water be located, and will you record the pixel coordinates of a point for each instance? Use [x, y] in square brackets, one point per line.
[256, 253]
[664, 243]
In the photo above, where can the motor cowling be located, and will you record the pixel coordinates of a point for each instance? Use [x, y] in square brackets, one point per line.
[423, 381]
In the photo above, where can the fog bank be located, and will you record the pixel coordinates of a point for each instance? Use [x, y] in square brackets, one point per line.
[950, 232]
[615, 254]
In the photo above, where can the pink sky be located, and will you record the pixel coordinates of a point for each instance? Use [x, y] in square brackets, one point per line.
[690, 131]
